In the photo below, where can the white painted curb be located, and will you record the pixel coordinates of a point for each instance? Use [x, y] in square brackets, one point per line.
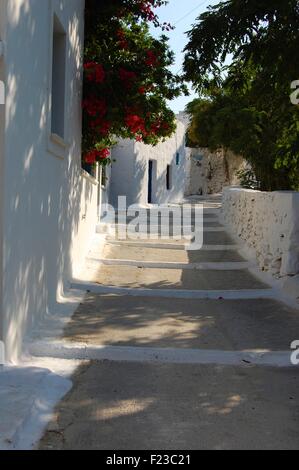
[171, 245]
[81, 351]
[175, 293]
[217, 266]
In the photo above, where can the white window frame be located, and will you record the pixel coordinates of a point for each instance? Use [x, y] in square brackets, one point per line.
[57, 145]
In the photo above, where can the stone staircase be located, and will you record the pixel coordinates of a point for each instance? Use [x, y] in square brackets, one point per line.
[147, 280]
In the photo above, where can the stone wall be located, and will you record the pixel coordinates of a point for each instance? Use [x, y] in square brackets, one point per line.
[268, 223]
[209, 172]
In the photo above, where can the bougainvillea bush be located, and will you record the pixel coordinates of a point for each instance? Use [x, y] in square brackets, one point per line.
[127, 81]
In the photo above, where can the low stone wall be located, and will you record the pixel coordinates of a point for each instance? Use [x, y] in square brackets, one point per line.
[268, 223]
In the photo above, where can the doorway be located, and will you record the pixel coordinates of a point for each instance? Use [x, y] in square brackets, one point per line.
[169, 178]
[150, 181]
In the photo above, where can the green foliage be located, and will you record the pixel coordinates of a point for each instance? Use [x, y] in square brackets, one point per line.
[127, 78]
[246, 106]
[248, 179]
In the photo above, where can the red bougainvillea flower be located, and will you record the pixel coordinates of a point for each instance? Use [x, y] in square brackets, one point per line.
[127, 77]
[152, 59]
[135, 123]
[95, 155]
[146, 9]
[142, 90]
[104, 154]
[100, 74]
[94, 72]
[95, 107]
[90, 157]
[126, 74]
[102, 127]
[122, 41]
[155, 127]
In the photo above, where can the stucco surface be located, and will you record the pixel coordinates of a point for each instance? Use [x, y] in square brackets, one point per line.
[49, 208]
[267, 223]
[130, 170]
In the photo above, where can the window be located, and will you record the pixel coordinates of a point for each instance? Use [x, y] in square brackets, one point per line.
[58, 80]
[168, 178]
[178, 159]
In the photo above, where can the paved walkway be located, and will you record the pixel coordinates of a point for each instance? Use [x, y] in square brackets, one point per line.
[183, 351]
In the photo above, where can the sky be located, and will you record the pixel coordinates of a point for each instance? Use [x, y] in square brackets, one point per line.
[182, 14]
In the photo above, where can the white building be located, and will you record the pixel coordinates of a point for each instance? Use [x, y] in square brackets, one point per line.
[48, 205]
[147, 174]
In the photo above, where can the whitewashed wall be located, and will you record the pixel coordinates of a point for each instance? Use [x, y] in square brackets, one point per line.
[268, 223]
[123, 173]
[130, 170]
[50, 209]
[2, 126]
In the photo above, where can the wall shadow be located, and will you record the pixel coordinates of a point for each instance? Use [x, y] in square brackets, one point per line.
[45, 196]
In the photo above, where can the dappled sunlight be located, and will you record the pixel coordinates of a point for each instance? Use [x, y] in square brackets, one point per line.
[248, 326]
[123, 408]
[226, 408]
[28, 159]
[18, 10]
[123, 405]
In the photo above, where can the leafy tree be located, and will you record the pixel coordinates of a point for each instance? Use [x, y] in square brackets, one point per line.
[127, 78]
[247, 106]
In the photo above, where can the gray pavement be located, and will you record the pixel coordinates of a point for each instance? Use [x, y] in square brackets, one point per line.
[147, 405]
[151, 278]
[117, 406]
[231, 325]
[178, 256]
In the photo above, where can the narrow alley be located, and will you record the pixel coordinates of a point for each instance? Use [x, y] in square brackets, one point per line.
[180, 350]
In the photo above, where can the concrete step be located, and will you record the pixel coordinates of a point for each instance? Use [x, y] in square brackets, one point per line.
[209, 238]
[134, 277]
[140, 253]
[218, 266]
[174, 293]
[153, 278]
[157, 229]
[174, 244]
[231, 325]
